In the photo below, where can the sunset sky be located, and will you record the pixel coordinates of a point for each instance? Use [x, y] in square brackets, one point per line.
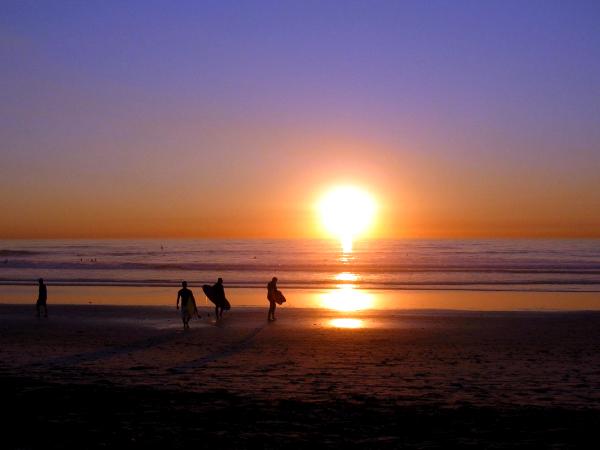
[231, 119]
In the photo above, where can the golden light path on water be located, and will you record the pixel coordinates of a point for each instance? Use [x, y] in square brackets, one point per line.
[346, 298]
[346, 323]
[346, 276]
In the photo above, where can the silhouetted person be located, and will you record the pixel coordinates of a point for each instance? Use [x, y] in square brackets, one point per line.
[219, 291]
[42, 298]
[188, 304]
[271, 290]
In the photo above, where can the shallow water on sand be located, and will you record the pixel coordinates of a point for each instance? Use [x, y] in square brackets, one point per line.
[352, 302]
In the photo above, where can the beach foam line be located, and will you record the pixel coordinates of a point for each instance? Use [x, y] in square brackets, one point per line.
[544, 285]
[534, 267]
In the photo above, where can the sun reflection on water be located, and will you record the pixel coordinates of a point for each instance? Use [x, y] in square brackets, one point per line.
[346, 298]
[346, 323]
[346, 257]
[346, 276]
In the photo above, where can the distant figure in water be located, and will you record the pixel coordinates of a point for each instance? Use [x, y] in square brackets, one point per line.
[219, 291]
[42, 298]
[271, 295]
[188, 305]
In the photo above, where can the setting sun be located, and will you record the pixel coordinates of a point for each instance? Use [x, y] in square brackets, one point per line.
[347, 212]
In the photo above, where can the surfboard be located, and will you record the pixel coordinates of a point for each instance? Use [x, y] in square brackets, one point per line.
[191, 307]
[279, 298]
[218, 300]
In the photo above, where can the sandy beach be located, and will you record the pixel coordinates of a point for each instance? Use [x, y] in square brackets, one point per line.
[98, 376]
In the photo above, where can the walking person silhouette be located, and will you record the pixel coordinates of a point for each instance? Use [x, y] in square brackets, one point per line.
[42, 298]
[271, 296]
[219, 292]
[188, 304]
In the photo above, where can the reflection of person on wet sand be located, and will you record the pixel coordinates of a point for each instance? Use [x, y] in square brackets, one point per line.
[271, 290]
[188, 304]
[42, 298]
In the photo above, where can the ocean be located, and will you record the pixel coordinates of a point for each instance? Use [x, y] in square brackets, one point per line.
[495, 265]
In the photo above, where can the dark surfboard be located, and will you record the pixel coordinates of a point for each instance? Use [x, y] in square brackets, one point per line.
[278, 297]
[215, 297]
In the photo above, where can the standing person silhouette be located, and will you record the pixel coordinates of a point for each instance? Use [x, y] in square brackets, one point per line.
[188, 304]
[42, 298]
[271, 289]
[219, 291]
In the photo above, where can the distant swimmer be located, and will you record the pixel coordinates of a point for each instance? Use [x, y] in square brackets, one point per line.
[188, 305]
[274, 296]
[42, 298]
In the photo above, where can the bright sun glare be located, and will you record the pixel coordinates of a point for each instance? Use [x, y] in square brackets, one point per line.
[346, 323]
[346, 298]
[347, 212]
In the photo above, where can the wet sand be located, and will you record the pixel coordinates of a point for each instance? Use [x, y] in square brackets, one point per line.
[109, 376]
[343, 296]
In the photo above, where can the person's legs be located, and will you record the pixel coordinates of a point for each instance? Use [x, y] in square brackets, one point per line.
[45, 310]
[216, 311]
[37, 309]
[271, 315]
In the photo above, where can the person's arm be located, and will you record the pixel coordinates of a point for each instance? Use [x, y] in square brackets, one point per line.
[178, 295]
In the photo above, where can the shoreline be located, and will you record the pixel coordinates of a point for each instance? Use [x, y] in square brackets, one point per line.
[344, 298]
[474, 287]
[399, 312]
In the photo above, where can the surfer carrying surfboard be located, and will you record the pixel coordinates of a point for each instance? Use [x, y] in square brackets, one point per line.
[216, 294]
[274, 296]
[219, 292]
[188, 304]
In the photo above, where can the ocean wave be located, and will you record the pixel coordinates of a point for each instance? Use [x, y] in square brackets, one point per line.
[579, 285]
[12, 253]
[529, 268]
